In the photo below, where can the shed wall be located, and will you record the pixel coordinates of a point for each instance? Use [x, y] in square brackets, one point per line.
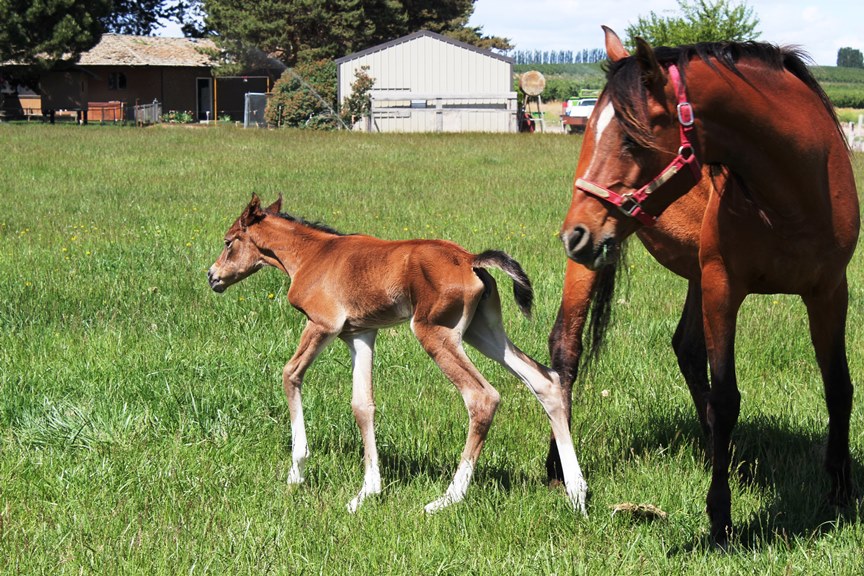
[424, 68]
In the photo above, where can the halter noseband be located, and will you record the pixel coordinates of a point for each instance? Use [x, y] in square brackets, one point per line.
[630, 203]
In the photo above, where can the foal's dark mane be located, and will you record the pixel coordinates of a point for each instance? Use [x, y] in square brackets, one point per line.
[627, 91]
[314, 225]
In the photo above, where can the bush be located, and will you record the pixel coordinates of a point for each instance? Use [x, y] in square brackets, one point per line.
[305, 96]
[358, 104]
[178, 117]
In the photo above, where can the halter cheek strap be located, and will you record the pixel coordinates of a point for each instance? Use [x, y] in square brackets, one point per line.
[685, 168]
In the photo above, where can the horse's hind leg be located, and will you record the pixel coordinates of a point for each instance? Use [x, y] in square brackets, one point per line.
[312, 341]
[481, 399]
[827, 315]
[689, 345]
[486, 333]
[362, 347]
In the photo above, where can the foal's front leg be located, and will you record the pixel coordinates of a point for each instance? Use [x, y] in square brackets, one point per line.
[362, 347]
[312, 341]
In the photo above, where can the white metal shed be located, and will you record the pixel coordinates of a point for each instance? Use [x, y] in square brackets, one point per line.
[425, 82]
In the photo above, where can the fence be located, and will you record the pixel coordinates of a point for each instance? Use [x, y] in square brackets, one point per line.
[855, 133]
[410, 112]
[148, 113]
[253, 110]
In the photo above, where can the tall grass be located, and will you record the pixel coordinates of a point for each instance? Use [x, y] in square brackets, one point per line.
[143, 427]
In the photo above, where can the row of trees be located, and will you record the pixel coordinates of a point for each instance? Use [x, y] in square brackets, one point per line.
[559, 56]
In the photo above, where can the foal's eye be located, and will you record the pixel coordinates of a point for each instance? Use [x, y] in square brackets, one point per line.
[228, 243]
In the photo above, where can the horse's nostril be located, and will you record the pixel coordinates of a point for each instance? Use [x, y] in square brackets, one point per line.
[576, 241]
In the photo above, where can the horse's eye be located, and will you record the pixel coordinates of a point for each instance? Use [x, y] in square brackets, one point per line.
[228, 243]
[629, 143]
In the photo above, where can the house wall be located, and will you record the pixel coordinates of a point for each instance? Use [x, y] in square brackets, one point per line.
[175, 88]
[68, 90]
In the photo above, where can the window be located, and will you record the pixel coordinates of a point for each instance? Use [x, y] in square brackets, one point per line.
[116, 81]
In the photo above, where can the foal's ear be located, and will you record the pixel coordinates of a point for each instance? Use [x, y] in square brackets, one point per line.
[614, 47]
[651, 71]
[252, 213]
[275, 207]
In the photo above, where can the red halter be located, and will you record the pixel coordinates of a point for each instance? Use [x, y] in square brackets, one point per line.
[630, 203]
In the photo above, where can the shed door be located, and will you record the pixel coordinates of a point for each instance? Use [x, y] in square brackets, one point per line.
[205, 99]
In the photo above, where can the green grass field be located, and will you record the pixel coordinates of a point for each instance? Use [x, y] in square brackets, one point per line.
[143, 428]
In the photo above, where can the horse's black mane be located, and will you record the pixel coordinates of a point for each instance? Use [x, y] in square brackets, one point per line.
[314, 225]
[627, 92]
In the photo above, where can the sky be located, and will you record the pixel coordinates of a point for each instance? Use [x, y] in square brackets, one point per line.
[820, 27]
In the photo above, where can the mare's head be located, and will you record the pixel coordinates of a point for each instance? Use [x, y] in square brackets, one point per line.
[633, 139]
[241, 257]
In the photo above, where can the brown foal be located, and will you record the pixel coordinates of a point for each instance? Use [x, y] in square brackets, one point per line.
[350, 286]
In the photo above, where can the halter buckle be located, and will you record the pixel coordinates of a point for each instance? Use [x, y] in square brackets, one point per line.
[685, 114]
[629, 205]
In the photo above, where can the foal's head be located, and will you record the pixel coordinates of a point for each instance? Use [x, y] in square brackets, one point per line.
[241, 257]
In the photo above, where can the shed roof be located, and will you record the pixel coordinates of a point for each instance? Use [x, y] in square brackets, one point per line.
[124, 50]
[420, 34]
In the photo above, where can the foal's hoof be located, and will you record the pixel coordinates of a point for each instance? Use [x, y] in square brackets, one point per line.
[441, 503]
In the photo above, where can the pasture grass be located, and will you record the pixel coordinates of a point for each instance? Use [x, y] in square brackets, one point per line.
[143, 428]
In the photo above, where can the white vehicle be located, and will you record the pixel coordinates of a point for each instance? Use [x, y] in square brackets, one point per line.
[576, 112]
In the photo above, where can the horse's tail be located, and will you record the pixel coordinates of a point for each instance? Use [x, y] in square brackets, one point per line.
[522, 291]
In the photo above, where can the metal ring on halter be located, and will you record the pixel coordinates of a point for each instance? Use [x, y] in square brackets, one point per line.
[685, 151]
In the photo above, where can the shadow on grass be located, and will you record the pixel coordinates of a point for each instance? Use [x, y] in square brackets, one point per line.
[770, 457]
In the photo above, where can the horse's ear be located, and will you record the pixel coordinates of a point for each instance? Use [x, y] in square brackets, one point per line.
[614, 47]
[275, 207]
[651, 71]
[252, 213]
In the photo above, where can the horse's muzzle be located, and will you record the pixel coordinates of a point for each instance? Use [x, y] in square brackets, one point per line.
[216, 283]
[580, 247]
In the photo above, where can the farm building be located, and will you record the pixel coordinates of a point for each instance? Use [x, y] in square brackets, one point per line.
[425, 82]
[122, 71]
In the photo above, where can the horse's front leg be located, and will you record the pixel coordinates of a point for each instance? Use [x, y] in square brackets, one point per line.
[362, 348]
[827, 315]
[313, 339]
[720, 310]
[565, 347]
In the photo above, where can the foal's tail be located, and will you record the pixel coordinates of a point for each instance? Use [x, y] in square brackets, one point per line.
[522, 291]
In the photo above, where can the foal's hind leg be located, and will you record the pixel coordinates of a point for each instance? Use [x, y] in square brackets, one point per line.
[486, 333]
[361, 347]
[312, 341]
[481, 399]
[827, 314]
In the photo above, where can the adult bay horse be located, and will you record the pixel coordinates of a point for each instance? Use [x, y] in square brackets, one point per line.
[350, 286]
[788, 225]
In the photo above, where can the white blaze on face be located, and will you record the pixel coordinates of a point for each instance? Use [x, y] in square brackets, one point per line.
[603, 121]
